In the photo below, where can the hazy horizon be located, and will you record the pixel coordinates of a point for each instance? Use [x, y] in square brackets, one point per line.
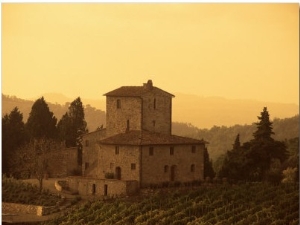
[234, 51]
[202, 112]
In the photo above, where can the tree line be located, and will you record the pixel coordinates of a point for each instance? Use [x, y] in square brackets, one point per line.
[262, 158]
[221, 138]
[26, 147]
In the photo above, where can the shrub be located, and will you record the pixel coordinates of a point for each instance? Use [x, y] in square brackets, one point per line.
[109, 175]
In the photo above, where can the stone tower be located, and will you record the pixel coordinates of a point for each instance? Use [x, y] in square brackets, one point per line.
[138, 108]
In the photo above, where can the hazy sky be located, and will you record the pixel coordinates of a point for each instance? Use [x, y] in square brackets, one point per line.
[237, 51]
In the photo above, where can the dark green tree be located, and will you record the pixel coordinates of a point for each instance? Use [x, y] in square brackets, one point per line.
[72, 124]
[13, 136]
[237, 143]
[235, 164]
[292, 161]
[208, 167]
[41, 122]
[64, 130]
[264, 127]
[254, 160]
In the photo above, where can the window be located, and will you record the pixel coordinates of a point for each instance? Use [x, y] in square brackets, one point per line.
[193, 149]
[154, 103]
[171, 150]
[127, 125]
[117, 150]
[132, 166]
[86, 165]
[150, 150]
[192, 168]
[87, 143]
[153, 122]
[118, 104]
[166, 168]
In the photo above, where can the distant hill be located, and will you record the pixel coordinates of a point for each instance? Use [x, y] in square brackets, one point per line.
[221, 138]
[205, 112]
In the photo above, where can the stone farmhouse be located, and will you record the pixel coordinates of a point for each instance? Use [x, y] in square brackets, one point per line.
[137, 149]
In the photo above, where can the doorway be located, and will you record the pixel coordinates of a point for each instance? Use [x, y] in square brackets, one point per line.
[94, 189]
[105, 189]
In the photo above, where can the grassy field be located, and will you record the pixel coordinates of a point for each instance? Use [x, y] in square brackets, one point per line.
[251, 203]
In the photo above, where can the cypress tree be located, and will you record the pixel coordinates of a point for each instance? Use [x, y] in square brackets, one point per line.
[41, 122]
[264, 127]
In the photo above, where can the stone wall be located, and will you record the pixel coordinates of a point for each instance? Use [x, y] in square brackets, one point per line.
[127, 160]
[157, 112]
[90, 150]
[102, 187]
[63, 162]
[164, 167]
[15, 208]
[116, 118]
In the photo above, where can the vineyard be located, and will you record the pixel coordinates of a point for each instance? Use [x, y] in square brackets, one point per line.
[252, 203]
[16, 191]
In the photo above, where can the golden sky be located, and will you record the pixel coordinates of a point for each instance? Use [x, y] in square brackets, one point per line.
[237, 51]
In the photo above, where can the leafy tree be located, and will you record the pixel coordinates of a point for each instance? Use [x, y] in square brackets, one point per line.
[32, 159]
[13, 136]
[41, 122]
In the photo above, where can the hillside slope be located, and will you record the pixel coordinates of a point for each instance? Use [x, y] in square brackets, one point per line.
[206, 112]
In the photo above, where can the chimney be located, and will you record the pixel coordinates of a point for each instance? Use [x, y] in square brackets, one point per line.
[148, 85]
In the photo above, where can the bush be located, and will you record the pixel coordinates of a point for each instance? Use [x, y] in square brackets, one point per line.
[109, 175]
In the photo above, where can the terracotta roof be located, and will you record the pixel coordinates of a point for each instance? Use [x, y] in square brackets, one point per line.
[134, 91]
[148, 138]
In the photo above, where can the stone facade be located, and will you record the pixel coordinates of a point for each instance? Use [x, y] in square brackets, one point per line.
[172, 163]
[102, 187]
[63, 162]
[157, 112]
[124, 114]
[137, 148]
[90, 150]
